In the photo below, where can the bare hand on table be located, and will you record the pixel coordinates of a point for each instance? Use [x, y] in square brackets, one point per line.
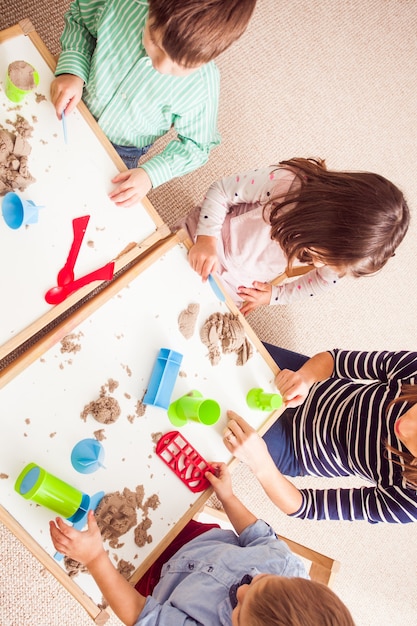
[66, 93]
[257, 295]
[244, 442]
[131, 187]
[203, 256]
[83, 546]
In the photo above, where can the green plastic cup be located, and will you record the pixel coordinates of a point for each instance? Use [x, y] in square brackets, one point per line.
[193, 406]
[34, 483]
[16, 93]
[258, 399]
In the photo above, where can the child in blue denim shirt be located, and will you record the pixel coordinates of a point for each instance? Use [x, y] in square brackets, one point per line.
[219, 577]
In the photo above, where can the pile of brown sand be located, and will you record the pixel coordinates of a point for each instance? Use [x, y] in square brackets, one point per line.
[225, 331]
[14, 152]
[105, 409]
[187, 320]
[117, 513]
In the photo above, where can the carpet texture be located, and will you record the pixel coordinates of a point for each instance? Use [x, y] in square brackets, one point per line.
[334, 79]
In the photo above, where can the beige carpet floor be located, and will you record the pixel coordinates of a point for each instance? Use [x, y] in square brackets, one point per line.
[331, 78]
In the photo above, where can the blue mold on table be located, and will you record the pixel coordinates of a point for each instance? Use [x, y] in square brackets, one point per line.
[164, 375]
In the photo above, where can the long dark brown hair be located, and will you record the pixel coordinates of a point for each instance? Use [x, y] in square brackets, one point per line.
[349, 220]
[407, 461]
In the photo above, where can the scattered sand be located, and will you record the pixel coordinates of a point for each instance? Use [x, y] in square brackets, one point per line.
[105, 409]
[227, 330]
[140, 408]
[156, 437]
[125, 568]
[187, 320]
[14, 152]
[141, 533]
[99, 434]
[73, 567]
[69, 343]
[111, 385]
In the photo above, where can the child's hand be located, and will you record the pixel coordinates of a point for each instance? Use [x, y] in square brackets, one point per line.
[221, 481]
[292, 386]
[133, 186]
[257, 295]
[203, 256]
[245, 443]
[82, 546]
[66, 92]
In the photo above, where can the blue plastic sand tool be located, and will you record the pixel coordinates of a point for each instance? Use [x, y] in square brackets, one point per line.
[218, 292]
[164, 375]
[64, 126]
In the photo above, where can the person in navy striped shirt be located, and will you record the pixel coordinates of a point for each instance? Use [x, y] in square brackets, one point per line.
[348, 413]
[142, 68]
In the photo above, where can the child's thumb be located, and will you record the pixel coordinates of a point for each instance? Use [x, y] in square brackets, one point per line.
[91, 520]
[210, 477]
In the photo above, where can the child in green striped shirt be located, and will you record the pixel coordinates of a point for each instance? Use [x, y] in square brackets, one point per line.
[142, 67]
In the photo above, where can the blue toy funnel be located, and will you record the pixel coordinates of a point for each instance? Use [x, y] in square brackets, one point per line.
[87, 456]
[18, 212]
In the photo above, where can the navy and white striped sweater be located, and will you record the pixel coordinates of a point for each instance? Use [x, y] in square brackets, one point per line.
[340, 430]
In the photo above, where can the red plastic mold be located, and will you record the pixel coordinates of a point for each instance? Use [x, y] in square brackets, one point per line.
[184, 460]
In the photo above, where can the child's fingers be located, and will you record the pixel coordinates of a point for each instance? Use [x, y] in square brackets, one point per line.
[62, 526]
[59, 539]
[120, 177]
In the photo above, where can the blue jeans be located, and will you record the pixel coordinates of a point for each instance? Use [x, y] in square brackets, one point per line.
[130, 154]
[279, 437]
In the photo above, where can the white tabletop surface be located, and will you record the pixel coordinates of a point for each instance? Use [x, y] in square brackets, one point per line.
[41, 407]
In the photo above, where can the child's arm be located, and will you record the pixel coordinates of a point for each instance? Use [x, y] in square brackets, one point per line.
[78, 42]
[249, 187]
[203, 256]
[87, 548]
[247, 446]
[238, 514]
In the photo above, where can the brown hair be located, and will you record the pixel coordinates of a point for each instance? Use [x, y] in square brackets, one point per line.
[196, 31]
[351, 220]
[297, 602]
[407, 461]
